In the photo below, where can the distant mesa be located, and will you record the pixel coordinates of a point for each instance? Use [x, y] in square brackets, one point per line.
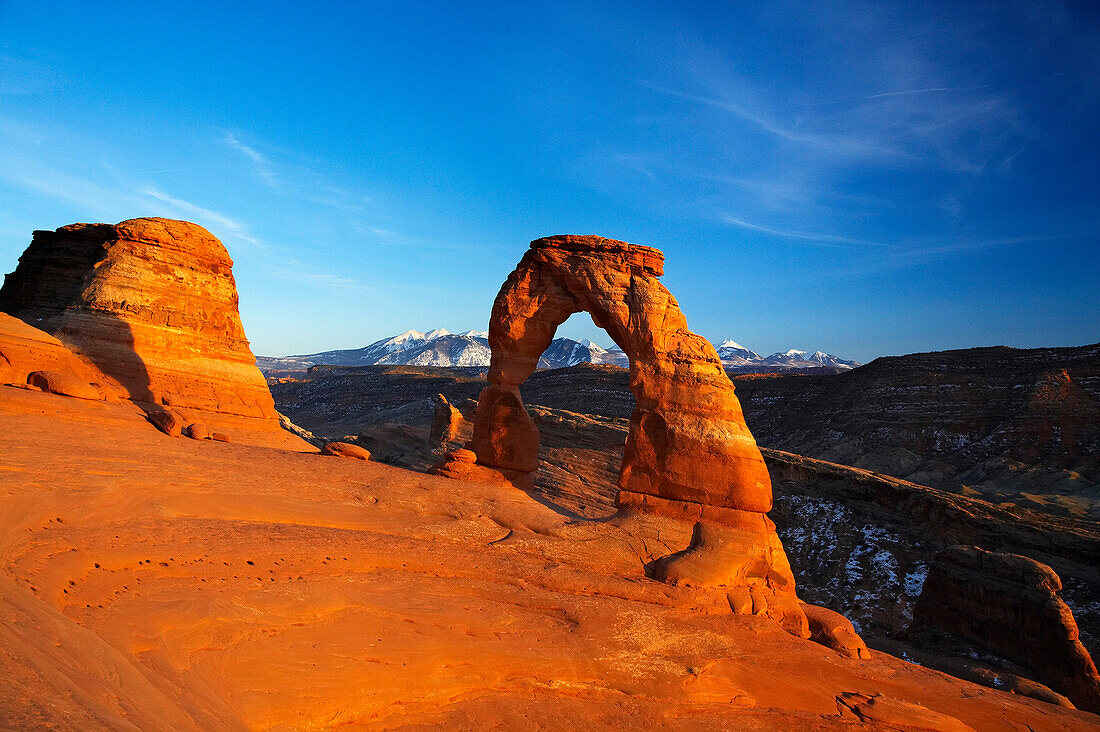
[149, 307]
[440, 347]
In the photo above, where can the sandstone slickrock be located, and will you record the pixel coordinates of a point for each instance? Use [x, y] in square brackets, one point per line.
[747, 562]
[1010, 604]
[345, 449]
[896, 713]
[151, 306]
[860, 543]
[688, 448]
[160, 584]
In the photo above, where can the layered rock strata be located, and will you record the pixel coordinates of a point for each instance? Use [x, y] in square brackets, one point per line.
[688, 451]
[151, 306]
[1010, 605]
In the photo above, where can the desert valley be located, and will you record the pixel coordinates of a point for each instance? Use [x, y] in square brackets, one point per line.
[410, 546]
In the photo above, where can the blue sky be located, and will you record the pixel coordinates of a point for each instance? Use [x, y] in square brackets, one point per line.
[867, 179]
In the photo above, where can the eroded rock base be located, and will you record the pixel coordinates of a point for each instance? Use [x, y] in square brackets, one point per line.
[744, 560]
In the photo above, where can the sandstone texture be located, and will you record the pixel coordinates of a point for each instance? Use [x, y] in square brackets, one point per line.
[835, 631]
[197, 431]
[1010, 605]
[157, 584]
[150, 306]
[879, 709]
[65, 384]
[860, 543]
[447, 422]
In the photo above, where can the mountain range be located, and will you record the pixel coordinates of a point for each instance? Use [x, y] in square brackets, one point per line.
[440, 347]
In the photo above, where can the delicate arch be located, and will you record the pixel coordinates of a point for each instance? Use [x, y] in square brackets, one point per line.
[687, 441]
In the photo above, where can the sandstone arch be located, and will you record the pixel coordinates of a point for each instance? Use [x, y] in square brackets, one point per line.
[688, 446]
[688, 454]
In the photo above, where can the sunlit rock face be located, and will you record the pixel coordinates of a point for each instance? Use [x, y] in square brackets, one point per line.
[151, 305]
[688, 452]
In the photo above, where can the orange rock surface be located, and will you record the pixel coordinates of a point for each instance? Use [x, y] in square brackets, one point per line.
[150, 306]
[157, 584]
[345, 449]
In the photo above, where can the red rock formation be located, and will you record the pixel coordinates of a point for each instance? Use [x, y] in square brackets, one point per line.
[835, 631]
[895, 713]
[158, 584]
[688, 440]
[1010, 605]
[65, 384]
[447, 422]
[688, 452]
[151, 305]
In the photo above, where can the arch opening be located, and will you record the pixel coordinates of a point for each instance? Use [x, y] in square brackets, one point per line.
[581, 413]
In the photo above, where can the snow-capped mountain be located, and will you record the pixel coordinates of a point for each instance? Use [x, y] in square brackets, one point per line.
[733, 354]
[801, 360]
[440, 347]
[565, 352]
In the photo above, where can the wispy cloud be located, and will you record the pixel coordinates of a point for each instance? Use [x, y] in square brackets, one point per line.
[235, 228]
[404, 239]
[297, 272]
[259, 162]
[109, 195]
[845, 145]
[819, 239]
[20, 76]
[896, 93]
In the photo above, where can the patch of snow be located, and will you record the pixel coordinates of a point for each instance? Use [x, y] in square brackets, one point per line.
[914, 579]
